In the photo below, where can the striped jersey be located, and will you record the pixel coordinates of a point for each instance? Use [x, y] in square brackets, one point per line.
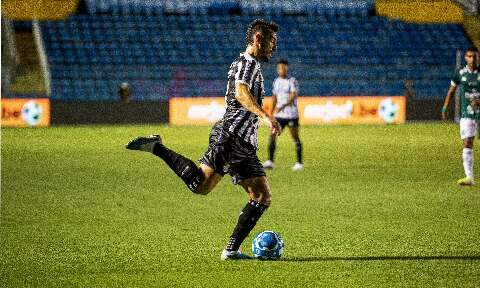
[282, 87]
[237, 120]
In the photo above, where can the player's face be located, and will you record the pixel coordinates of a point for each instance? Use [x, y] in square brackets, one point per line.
[272, 45]
[282, 70]
[268, 46]
[471, 58]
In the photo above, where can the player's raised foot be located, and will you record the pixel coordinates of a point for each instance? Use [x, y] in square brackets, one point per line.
[467, 181]
[234, 255]
[268, 164]
[144, 143]
[297, 167]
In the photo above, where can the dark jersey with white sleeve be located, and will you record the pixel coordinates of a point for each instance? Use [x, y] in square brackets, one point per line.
[237, 120]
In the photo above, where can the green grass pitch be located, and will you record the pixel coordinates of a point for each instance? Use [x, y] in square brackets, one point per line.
[376, 206]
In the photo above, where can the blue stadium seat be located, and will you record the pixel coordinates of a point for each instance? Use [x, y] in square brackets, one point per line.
[332, 51]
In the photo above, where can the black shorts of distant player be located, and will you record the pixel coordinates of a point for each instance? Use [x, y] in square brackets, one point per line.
[292, 122]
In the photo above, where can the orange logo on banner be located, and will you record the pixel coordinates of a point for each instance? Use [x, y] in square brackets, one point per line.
[25, 112]
[196, 111]
[312, 110]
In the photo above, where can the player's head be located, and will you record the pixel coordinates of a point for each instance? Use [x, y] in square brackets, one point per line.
[471, 56]
[282, 68]
[262, 36]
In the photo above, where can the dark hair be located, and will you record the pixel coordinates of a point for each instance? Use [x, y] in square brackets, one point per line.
[262, 26]
[282, 61]
[472, 49]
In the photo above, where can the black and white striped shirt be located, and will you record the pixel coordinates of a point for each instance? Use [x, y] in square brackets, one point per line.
[237, 120]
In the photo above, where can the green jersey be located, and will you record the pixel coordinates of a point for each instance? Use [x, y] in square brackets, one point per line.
[469, 82]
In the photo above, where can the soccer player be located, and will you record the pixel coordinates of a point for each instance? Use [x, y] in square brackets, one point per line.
[468, 78]
[233, 141]
[284, 109]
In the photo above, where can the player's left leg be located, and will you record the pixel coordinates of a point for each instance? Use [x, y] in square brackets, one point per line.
[467, 157]
[468, 129]
[260, 196]
[247, 171]
[294, 131]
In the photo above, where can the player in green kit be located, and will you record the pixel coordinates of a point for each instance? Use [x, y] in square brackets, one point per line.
[468, 79]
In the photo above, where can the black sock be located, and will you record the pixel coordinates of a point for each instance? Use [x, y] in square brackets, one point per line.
[182, 166]
[272, 143]
[298, 148]
[246, 221]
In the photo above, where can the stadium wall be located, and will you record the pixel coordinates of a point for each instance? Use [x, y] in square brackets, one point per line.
[426, 110]
[313, 110]
[93, 112]
[109, 112]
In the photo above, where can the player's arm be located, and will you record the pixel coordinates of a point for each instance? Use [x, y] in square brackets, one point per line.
[274, 104]
[245, 98]
[450, 93]
[293, 95]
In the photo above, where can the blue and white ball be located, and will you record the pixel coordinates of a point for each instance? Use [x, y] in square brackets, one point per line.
[388, 110]
[267, 245]
[32, 113]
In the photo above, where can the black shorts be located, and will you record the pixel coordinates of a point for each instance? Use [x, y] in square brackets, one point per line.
[292, 122]
[227, 153]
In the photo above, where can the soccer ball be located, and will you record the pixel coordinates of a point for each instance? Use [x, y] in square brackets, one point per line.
[267, 245]
[32, 113]
[387, 110]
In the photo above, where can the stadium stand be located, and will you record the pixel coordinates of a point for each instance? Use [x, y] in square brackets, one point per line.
[335, 48]
[128, 7]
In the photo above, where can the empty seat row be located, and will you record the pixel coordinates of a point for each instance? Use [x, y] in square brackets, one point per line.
[128, 7]
[175, 56]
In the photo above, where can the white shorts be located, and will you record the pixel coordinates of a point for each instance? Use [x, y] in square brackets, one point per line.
[468, 128]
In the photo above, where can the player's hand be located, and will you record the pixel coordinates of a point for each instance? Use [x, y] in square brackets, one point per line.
[281, 108]
[275, 127]
[444, 114]
[475, 103]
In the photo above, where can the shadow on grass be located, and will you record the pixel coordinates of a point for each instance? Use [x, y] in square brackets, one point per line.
[379, 258]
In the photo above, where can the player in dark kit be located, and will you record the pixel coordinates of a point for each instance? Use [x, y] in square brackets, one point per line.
[468, 79]
[233, 140]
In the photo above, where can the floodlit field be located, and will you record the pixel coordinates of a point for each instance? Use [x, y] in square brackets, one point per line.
[376, 206]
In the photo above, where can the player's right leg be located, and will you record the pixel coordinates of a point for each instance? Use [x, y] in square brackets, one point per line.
[272, 146]
[468, 128]
[200, 180]
[294, 131]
